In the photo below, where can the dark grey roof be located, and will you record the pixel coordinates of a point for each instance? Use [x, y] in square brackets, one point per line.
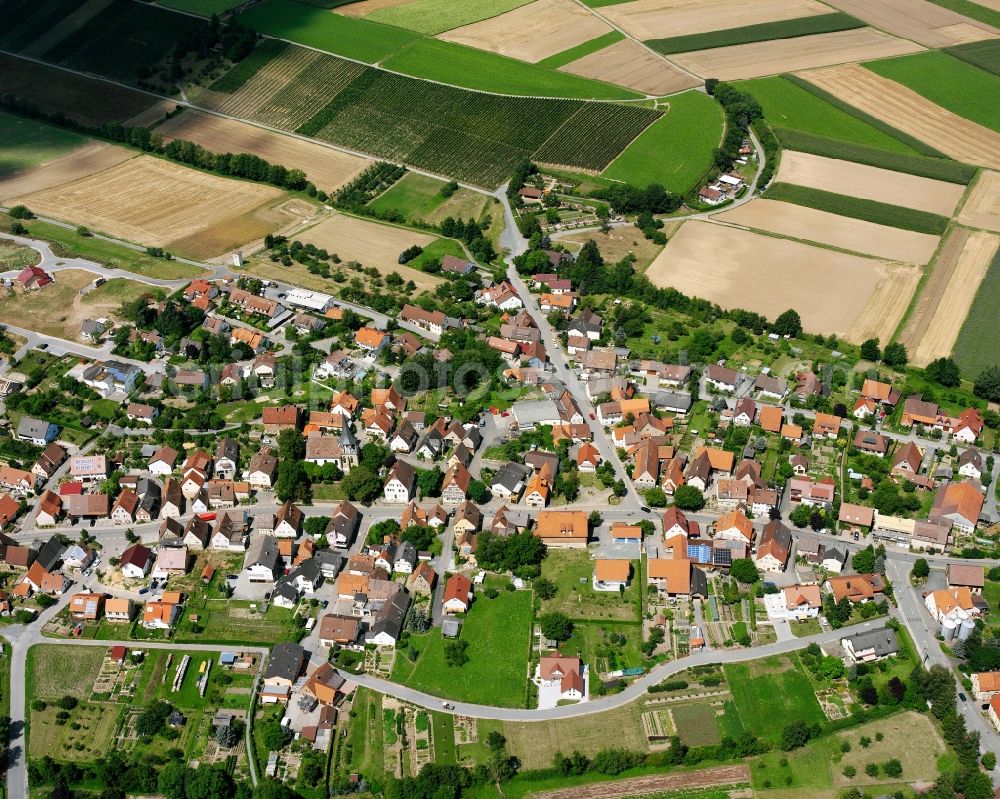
[671, 400]
[509, 475]
[882, 641]
[49, 554]
[330, 562]
[286, 662]
[263, 551]
[308, 570]
[389, 618]
[32, 428]
[284, 588]
[835, 554]
[228, 448]
[699, 582]
[406, 552]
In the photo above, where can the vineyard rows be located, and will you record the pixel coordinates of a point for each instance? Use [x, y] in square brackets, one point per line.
[472, 136]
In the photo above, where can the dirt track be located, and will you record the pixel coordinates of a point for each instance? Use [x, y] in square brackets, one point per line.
[982, 208]
[906, 110]
[653, 784]
[948, 294]
[627, 64]
[920, 20]
[869, 182]
[786, 55]
[532, 32]
[659, 19]
[822, 227]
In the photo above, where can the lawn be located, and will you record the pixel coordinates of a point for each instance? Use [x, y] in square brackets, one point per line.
[675, 150]
[364, 737]
[586, 48]
[67, 243]
[459, 65]
[414, 196]
[60, 670]
[789, 106]
[991, 593]
[157, 678]
[801, 629]
[497, 631]
[27, 143]
[772, 692]
[696, 723]
[599, 646]
[975, 348]
[571, 571]
[119, 290]
[952, 84]
[95, 725]
[436, 16]
[233, 622]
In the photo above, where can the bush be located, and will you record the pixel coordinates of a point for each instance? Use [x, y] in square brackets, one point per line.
[871, 769]
[850, 771]
[893, 768]
[68, 702]
[38, 705]
[989, 761]
[20, 212]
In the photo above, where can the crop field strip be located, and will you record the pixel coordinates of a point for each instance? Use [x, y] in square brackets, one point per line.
[470, 136]
[984, 54]
[930, 24]
[581, 50]
[974, 10]
[975, 348]
[761, 32]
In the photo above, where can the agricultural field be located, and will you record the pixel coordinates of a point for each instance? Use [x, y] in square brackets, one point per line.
[617, 243]
[497, 631]
[628, 64]
[566, 56]
[758, 59]
[27, 143]
[948, 82]
[436, 16]
[155, 202]
[868, 210]
[963, 262]
[914, 115]
[975, 348]
[925, 22]
[787, 106]
[984, 54]
[761, 32]
[92, 157]
[842, 232]
[478, 138]
[371, 244]
[571, 571]
[869, 183]
[982, 206]
[771, 692]
[713, 262]
[419, 198]
[327, 168]
[59, 310]
[658, 19]
[532, 32]
[677, 150]
[84, 100]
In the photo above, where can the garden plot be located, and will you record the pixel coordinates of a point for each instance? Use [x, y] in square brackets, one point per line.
[845, 233]
[151, 201]
[658, 19]
[534, 31]
[15, 256]
[982, 207]
[869, 182]
[740, 269]
[907, 111]
[326, 167]
[922, 21]
[628, 64]
[804, 52]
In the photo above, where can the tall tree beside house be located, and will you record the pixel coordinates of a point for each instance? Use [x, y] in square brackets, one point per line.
[788, 323]
[688, 497]
[895, 355]
[945, 372]
[556, 626]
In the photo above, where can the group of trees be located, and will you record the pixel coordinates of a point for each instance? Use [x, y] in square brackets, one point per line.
[894, 355]
[521, 553]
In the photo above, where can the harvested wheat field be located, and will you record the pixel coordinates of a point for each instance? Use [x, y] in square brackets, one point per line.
[740, 269]
[92, 157]
[629, 64]
[327, 168]
[157, 112]
[944, 303]
[919, 20]
[869, 182]
[843, 232]
[369, 243]
[532, 32]
[151, 201]
[660, 19]
[906, 110]
[982, 208]
[785, 55]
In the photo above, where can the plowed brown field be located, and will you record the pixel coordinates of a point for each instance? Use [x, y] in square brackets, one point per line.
[659, 19]
[909, 112]
[920, 20]
[629, 64]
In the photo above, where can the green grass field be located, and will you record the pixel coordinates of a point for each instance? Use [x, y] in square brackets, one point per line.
[696, 723]
[676, 150]
[975, 348]
[934, 168]
[497, 631]
[984, 54]
[772, 692]
[27, 143]
[317, 27]
[973, 10]
[436, 16]
[571, 571]
[414, 196]
[955, 85]
[857, 208]
[763, 32]
[436, 250]
[488, 72]
[789, 106]
[204, 8]
[586, 48]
